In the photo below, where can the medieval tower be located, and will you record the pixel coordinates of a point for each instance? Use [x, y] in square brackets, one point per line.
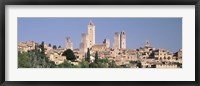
[116, 44]
[69, 44]
[123, 40]
[91, 34]
[119, 40]
[84, 43]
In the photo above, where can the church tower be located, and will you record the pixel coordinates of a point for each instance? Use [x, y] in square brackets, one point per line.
[91, 34]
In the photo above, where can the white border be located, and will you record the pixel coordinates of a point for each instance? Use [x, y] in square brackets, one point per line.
[187, 73]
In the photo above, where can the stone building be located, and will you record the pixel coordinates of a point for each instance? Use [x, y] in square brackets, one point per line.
[91, 34]
[162, 54]
[116, 44]
[98, 47]
[123, 40]
[179, 53]
[107, 43]
[119, 40]
[55, 55]
[26, 46]
[69, 44]
[84, 43]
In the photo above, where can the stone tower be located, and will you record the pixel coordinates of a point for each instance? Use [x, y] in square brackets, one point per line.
[91, 34]
[69, 44]
[147, 43]
[116, 44]
[84, 43]
[107, 43]
[123, 40]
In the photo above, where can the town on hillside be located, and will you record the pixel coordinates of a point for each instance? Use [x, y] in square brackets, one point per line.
[96, 55]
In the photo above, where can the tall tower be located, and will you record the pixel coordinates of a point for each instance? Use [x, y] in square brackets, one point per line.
[123, 40]
[84, 43]
[91, 34]
[116, 44]
[69, 44]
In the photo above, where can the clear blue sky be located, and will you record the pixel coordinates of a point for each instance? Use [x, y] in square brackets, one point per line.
[161, 32]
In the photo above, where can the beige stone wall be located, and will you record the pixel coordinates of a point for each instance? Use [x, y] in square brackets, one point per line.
[123, 40]
[116, 44]
[84, 43]
[58, 59]
[26, 46]
[91, 34]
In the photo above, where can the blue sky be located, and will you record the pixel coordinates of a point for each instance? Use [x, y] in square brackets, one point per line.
[161, 32]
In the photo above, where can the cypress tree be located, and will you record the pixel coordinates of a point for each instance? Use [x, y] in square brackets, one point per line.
[88, 55]
[96, 57]
[42, 48]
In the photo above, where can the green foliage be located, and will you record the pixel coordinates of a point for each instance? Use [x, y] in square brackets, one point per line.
[96, 57]
[137, 63]
[112, 64]
[34, 59]
[59, 46]
[49, 45]
[66, 64]
[179, 65]
[104, 60]
[42, 48]
[88, 55]
[93, 65]
[69, 55]
[23, 60]
[54, 47]
[84, 64]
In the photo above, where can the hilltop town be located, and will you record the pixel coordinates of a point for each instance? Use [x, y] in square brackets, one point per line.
[143, 57]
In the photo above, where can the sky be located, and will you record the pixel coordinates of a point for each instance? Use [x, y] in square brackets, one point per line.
[161, 32]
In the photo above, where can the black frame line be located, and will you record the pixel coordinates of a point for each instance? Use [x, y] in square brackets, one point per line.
[98, 2]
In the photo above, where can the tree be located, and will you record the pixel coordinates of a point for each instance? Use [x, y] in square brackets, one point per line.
[84, 64]
[69, 55]
[96, 57]
[49, 45]
[42, 47]
[23, 60]
[88, 55]
[139, 64]
[112, 64]
[54, 47]
[65, 64]
[85, 57]
[59, 46]
[93, 65]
